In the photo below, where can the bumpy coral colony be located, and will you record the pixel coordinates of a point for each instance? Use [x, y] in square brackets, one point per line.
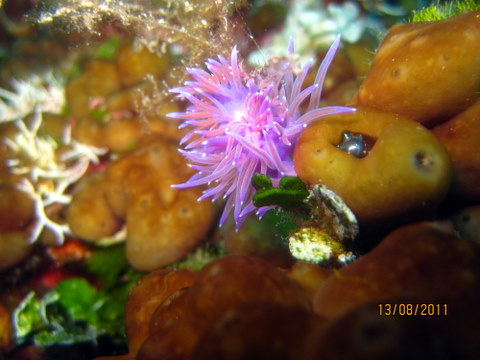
[244, 124]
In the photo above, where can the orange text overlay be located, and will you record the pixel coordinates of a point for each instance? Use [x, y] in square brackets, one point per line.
[412, 309]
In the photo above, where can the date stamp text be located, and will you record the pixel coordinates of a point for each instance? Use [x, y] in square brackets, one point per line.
[425, 309]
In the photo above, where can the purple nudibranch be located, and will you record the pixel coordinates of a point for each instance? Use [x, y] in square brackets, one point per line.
[242, 124]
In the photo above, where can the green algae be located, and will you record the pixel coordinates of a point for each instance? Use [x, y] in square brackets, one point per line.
[437, 11]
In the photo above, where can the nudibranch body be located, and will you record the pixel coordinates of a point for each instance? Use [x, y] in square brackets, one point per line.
[242, 124]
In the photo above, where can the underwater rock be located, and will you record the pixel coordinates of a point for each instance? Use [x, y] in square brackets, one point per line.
[135, 62]
[150, 293]
[169, 312]
[175, 344]
[89, 215]
[100, 128]
[367, 333]
[121, 135]
[15, 246]
[172, 334]
[101, 193]
[89, 131]
[6, 328]
[309, 276]
[382, 165]
[466, 222]
[233, 280]
[149, 114]
[52, 125]
[361, 54]
[420, 261]
[218, 292]
[16, 208]
[341, 70]
[343, 93]
[102, 78]
[109, 100]
[258, 331]
[163, 224]
[461, 137]
[427, 70]
[99, 79]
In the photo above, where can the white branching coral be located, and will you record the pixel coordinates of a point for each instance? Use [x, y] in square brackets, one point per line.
[45, 92]
[46, 170]
[45, 167]
[313, 26]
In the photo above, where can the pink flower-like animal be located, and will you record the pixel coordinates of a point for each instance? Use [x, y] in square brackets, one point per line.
[242, 124]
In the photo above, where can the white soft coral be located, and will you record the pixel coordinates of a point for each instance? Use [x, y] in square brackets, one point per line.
[44, 92]
[45, 173]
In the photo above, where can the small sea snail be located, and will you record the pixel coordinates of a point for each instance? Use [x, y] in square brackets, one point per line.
[394, 166]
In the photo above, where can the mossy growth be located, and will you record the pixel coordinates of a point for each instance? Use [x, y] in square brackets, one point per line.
[201, 256]
[200, 28]
[437, 11]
